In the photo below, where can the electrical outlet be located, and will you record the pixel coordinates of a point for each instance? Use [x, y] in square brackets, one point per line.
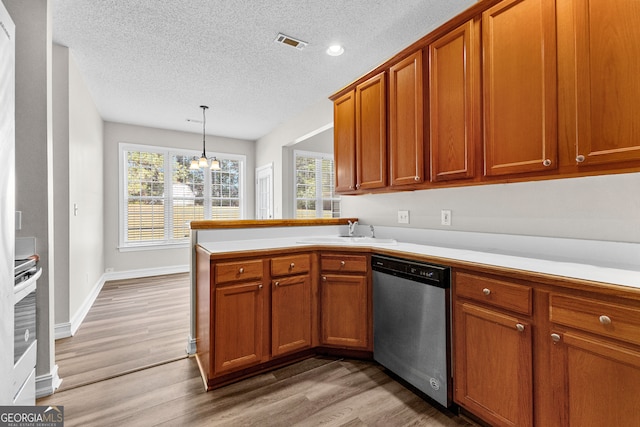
[445, 217]
[403, 217]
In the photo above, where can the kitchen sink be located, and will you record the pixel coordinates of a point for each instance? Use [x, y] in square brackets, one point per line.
[346, 240]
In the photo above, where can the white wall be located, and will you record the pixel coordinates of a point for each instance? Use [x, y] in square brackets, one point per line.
[86, 191]
[115, 133]
[273, 147]
[596, 208]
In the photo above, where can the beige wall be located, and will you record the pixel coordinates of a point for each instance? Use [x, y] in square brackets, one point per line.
[115, 133]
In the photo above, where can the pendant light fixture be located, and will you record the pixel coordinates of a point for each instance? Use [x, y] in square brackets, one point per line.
[203, 162]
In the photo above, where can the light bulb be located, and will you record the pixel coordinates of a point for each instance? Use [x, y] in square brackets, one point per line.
[215, 164]
[335, 50]
[203, 162]
[194, 164]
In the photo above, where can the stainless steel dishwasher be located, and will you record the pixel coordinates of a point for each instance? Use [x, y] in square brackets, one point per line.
[411, 309]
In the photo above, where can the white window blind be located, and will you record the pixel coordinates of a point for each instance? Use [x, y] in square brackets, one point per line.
[315, 186]
[160, 195]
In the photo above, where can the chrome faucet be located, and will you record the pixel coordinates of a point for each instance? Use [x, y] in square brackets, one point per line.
[352, 227]
[373, 232]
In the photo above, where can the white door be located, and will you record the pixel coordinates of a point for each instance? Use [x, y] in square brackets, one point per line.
[264, 192]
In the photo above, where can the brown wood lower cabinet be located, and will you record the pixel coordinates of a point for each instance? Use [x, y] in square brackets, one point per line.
[595, 361]
[344, 311]
[238, 326]
[493, 365]
[290, 314]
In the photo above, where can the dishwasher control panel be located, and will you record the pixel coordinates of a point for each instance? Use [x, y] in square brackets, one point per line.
[431, 274]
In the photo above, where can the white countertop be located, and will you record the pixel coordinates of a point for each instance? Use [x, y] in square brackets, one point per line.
[563, 268]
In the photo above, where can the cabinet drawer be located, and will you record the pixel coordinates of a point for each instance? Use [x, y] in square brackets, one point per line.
[238, 270]
[506, 295]
[288, 265]
[344, 263]
[611, 320]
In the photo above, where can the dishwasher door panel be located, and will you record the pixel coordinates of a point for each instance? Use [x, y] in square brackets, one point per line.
[410, 332]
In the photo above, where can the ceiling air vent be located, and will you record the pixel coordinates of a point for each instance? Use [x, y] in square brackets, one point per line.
[290, 41]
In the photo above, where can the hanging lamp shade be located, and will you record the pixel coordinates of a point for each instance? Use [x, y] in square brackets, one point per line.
[203, 161]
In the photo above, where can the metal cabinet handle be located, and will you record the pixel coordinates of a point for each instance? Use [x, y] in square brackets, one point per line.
[580, 158]
[277, 283]
[605, 320]
[292, 265]
[416, 178]
[342, 263]
[486, 291]
[520, 327]
[259, 286]
[324, 278]
[241, 270]
[555, 338]
[546, 162]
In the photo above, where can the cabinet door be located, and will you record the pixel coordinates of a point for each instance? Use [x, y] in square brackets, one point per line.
[493, 366]
[290, 314]
[344, 142]
[371, 133]
[406, 124]
[238, 326]
[453, 94]
[519, 78]
[344, 308]
[605, 66]
[597, 382]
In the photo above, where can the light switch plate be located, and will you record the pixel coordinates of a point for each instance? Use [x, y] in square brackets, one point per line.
[403, 217]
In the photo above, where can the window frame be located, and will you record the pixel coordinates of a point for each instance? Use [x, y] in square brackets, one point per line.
[315, 155]
[169, 242]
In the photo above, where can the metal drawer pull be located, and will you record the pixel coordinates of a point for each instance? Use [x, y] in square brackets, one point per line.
[520, 327]
[324, 278]
[292, 265]
[277, 283]
[555, 338]
[546, 162]
[416, 178]
[241, 270]
[342, 263]
[259, 286]
[605, 320]
[580, 158]
[486, 291]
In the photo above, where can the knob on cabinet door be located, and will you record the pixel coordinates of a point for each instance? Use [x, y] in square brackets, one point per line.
[486, 291]
[342, 263]
[605, 320]
[241, 270]
[546, 162]
[277, 283]
[580, 158]
[555, 338]
[520, 327]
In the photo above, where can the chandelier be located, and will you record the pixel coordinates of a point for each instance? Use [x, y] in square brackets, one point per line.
[203, 161]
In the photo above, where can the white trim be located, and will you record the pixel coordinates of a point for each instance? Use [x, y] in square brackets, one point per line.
[62, 330]
[191, 345]
[48, 383]
[146, 272]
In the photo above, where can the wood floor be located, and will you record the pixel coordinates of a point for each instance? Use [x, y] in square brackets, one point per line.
[317, 391]
[133, 323]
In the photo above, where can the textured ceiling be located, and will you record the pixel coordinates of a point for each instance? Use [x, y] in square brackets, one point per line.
[154, 62]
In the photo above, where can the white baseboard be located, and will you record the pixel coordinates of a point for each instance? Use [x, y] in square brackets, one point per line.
[48, 383]
[68, 329]
[191, 345]
[145, 272]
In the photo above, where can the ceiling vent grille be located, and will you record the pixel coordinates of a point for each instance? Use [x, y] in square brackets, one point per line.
[290, 41]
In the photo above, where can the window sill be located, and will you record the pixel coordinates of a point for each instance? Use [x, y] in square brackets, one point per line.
[153, 247]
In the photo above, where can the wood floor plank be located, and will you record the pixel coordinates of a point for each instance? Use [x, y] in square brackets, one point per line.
[136, 327]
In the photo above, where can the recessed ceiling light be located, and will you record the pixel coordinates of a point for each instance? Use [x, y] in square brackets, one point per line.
[335, 50]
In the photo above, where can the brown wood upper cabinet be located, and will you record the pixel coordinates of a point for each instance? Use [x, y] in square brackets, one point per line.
[406, 122]
[344, 141]
[454, 111]
[599, 59]
[519, 81]
[371, 133]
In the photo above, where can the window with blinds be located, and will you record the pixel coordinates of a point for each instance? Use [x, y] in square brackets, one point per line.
[161, 195]
[314, 184]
